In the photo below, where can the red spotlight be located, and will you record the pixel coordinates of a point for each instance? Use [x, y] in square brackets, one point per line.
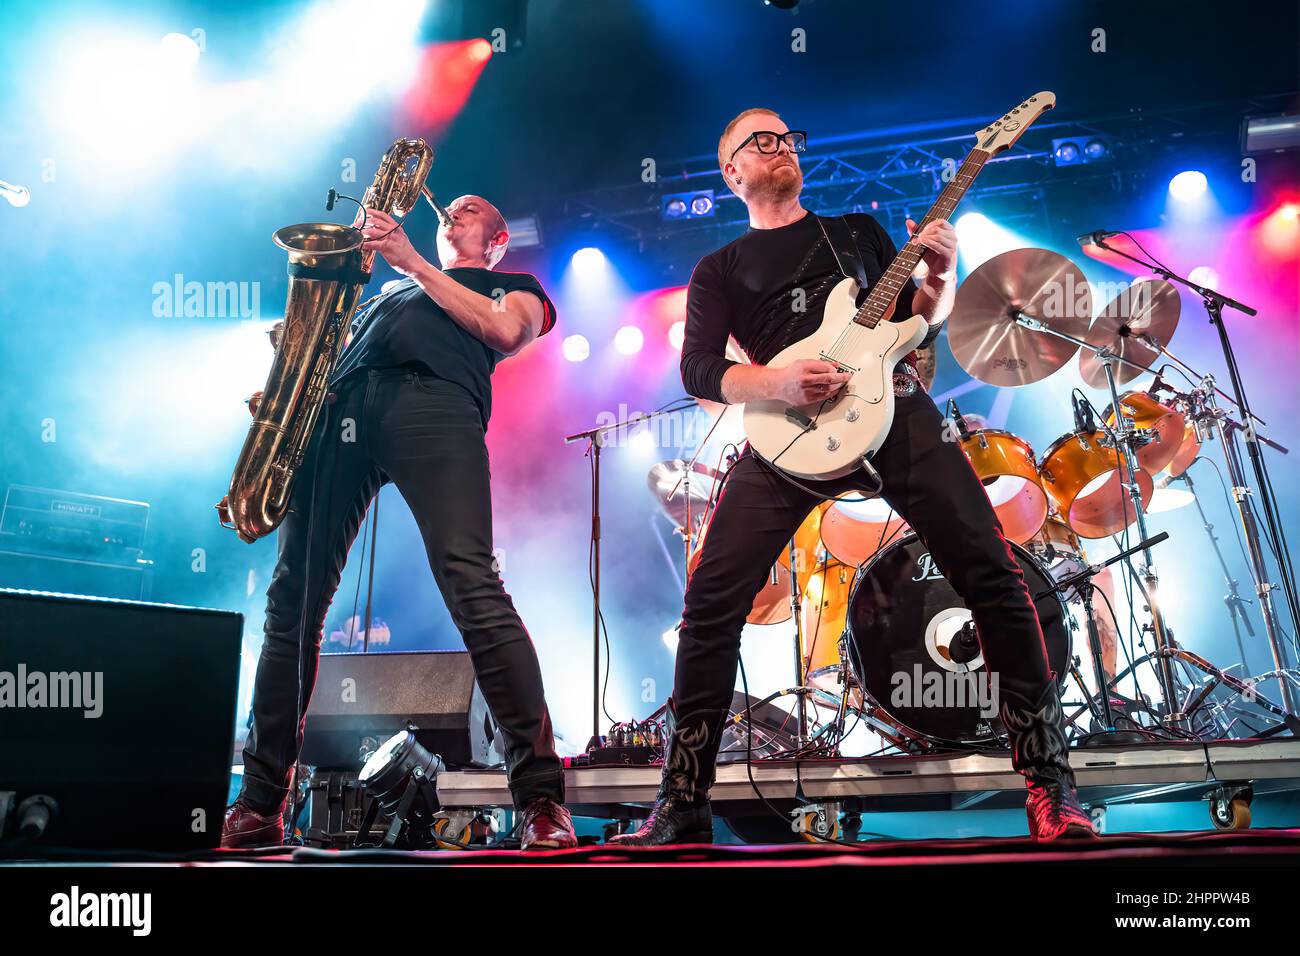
[444, 80]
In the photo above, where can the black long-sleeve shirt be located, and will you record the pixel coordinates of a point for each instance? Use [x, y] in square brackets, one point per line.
[750, 288]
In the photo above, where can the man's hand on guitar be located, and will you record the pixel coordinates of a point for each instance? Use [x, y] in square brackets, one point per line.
[940, 241]
[805, 381]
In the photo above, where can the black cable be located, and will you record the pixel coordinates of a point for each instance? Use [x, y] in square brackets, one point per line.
[356, 596]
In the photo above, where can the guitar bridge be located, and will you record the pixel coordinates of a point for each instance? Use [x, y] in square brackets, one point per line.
[839, 366]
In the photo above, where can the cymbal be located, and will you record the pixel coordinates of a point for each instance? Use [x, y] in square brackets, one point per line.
[983, 334]
[665, 483]
[1150, 308]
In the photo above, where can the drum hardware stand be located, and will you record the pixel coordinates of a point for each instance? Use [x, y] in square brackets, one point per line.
[595, 438]
[800, 688]
[1233, 600]
[1214, 303]
[1126, 438]
[1083, 579]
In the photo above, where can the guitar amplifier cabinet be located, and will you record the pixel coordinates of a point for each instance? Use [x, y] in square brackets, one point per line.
[361, 700]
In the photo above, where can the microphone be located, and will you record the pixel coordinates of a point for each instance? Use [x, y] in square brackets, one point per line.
[330, 199]
[963, 429]
[965, 646]
[1084, 421]
[1092, 238]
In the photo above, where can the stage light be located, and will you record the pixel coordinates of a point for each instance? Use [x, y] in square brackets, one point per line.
[178, 51]
[1066, 153]
[525, 232]
[402, 777]
[1188, 185]
[1265, 134]
[629, 340]
[671, 637]
[576, 348]
[1289, 212]
[692, 205]
[1205, 276]
[677, 335]
[18, 196]
[1078, 151]
[588, 261]
[480, 50]
[980, 239]
[642, 441]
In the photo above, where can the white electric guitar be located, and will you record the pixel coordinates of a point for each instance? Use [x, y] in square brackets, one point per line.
[831, 438]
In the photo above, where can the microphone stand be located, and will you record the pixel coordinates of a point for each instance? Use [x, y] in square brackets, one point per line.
[595, 437]
[1214, 305]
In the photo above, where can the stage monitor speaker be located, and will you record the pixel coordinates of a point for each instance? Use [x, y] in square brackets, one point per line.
[361, 700]
[119, 712]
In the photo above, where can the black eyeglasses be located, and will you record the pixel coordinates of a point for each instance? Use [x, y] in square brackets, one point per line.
[767, 141]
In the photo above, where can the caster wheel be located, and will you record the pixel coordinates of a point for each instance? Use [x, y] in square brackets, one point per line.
[443, 827]
[1230, 814]
[815, 827]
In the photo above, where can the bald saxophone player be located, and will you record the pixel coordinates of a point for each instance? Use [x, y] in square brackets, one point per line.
[410, 398]
[768, 289]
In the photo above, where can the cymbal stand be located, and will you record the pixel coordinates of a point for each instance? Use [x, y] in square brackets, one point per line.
[1214, 303]
[1126, 439]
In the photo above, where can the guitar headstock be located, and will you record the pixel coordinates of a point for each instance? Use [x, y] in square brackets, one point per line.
[1002, 134]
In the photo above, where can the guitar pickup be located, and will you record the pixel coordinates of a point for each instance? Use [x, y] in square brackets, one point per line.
[796, 417]
[839, 366]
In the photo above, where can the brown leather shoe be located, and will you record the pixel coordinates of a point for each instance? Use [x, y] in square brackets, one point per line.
[244, 827]
[546, 826]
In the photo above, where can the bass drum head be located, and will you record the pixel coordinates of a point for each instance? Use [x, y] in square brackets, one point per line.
[903, 618]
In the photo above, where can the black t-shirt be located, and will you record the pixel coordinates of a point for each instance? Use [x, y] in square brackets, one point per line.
[747, 289]
[404, 327]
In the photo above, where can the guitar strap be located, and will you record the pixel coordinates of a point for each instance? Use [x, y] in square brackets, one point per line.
[840, 238]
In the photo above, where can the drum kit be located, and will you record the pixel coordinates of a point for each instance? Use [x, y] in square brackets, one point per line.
[868, 602]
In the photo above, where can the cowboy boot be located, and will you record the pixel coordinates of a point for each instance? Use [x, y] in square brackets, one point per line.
[681, 812]
[1040, 753]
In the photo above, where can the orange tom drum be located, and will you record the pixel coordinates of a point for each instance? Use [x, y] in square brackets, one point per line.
[853, 531]
[1005, 464]
[1169, 426]
[1082, 478]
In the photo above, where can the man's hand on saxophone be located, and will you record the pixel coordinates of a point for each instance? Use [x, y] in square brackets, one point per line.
[385, 235]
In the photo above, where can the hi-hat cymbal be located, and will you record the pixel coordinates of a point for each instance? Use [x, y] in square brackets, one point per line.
[983, 333]
[1147, 308]
[665, 482]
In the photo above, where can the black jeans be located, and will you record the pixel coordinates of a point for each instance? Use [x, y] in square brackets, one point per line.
[427, 436]
[931, 484]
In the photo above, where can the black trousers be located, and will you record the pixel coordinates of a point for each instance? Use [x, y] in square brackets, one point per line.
[427, 436]
[931, 484]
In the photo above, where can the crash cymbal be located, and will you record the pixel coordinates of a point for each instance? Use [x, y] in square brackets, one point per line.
[983, 334]
[1148, 308]
[665, 483]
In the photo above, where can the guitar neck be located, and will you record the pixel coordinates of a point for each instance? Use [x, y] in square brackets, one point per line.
[891, 282]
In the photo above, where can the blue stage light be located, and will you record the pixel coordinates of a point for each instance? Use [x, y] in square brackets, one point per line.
[1188, 185]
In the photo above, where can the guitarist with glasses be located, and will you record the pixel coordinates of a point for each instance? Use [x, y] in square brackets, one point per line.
[768, 288]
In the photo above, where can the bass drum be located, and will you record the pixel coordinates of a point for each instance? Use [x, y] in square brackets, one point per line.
[904, 624]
